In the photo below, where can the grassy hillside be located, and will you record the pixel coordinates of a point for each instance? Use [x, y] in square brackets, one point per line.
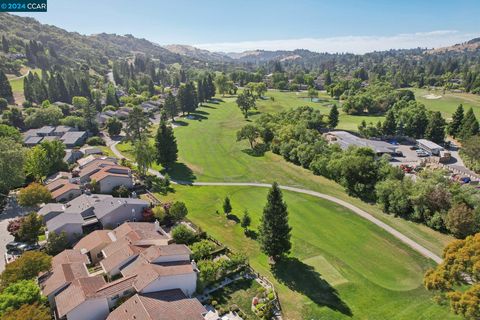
[341, 265]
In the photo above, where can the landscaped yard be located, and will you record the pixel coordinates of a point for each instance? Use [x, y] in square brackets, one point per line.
[341, 265]
[238, 293]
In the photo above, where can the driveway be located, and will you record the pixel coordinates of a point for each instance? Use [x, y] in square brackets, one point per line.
[10, 212]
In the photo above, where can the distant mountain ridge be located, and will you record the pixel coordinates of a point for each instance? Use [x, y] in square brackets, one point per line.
[469, 46]
[196, 53]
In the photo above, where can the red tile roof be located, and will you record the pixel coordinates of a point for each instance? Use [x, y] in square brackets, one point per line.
[97, 238]
[163, 305]
[78, 292]
[61, 276]
[69, 256]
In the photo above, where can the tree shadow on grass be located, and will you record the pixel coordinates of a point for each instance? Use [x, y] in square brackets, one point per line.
[303, 278]
[258, 151]
[182, 174]
[196, 116]
[200, 112]
[180, 123]
[207, 106]
[252, 234]
[233, 217]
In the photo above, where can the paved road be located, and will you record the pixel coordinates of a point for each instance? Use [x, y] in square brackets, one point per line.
[414, 245]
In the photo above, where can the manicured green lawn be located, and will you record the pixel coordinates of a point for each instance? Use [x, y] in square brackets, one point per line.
[448, 102]
[208, 151]
[17, 84]
[341, 265]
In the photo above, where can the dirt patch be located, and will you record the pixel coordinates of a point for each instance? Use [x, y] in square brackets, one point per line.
[431, 96]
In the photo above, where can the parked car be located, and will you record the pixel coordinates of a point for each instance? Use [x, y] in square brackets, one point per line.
[13, 245]
[413, 148]
[422, 154]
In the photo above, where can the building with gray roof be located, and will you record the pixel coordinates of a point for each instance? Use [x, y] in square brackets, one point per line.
[74, 138]
[70, 223]
[346, 139]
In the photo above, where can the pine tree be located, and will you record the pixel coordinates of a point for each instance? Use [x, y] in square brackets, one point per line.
[210, 87]
[53, 94]
[274, 229]
[435, 130]
[389, 125]
[333, 117]
[165, 145]
[182, 98]
[469, 125]
[111, 96]
[456, 124]
[227, 206]
[246, 220]
[170, 106]
[5, 88]
[200, 91]
[5, 44]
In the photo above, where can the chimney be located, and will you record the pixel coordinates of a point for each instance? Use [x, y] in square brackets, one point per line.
[157, 225]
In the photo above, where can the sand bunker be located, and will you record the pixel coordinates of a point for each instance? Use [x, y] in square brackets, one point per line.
[432, 96]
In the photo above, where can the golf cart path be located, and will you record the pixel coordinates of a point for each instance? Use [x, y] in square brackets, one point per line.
[400, 236]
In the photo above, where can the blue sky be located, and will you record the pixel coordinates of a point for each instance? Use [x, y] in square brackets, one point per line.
[226, 25]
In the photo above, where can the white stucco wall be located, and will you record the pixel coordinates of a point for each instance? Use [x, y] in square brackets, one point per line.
[121, 215]
[95, 309]
[108, 183]
[186, 282]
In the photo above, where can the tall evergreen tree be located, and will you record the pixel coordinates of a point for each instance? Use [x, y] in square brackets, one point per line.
[5, 44]
[137, 124]
[111, 96]
[166, 146]
[435, 130]
[390, 124]
[274, 228]
[63, 93]
[200, 91]
[170, 106]
[469, 125]
[210, 87]
[5, 88]
[333, 117]
[192, 99]
[182, 98]
[456, 124]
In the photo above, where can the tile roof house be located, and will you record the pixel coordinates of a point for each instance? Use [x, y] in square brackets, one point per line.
[78, 300]
[162, 276]
[164, 305]
[69, 256]
[63, 190]
[60, 277]
[165, 276]
[93, 243]
[111, 177]
[142, 233]
[83, 162]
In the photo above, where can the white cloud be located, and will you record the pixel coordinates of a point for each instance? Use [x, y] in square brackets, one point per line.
[353, 44]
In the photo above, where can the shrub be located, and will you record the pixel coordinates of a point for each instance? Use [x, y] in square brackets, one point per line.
[178, 211]
[201, 249]
[159, 213]
[121, 191]
[183, 235]
[95, 141]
